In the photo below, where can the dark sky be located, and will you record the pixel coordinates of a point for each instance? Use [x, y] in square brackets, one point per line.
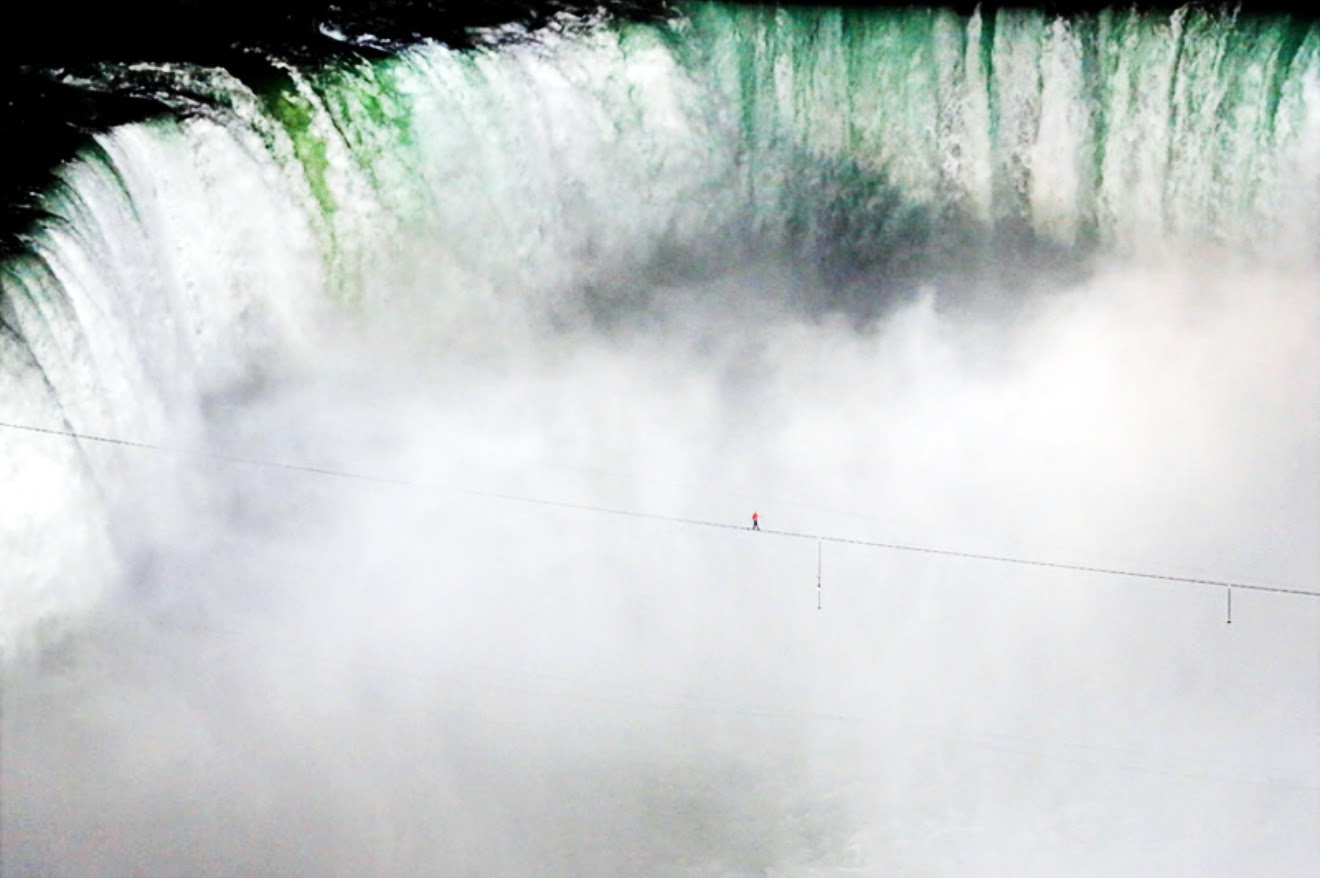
[193, 30]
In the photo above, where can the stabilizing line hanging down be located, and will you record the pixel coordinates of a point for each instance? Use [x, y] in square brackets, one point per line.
[819, 574]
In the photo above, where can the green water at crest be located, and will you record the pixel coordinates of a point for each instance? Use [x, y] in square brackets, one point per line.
[868, 138]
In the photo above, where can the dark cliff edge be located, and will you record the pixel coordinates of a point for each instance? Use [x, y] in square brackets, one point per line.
[55, 93]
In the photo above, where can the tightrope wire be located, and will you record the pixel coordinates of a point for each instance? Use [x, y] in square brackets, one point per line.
[674, 519]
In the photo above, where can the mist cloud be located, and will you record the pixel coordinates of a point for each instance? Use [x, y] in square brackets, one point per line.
[303, 674]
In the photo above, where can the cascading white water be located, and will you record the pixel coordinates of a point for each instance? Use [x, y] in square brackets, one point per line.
[1004, 284]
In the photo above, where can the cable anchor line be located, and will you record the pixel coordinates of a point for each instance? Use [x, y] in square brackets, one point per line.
[1055, 565]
